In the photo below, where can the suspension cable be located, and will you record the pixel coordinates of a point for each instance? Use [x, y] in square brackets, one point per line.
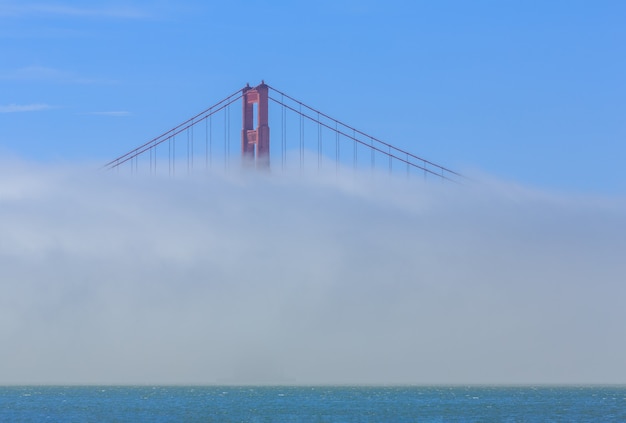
[174, 131]
[363, 133]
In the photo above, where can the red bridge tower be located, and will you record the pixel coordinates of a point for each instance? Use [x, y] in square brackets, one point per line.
[255, 133]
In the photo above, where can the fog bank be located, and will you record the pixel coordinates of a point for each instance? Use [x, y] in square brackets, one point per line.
[317, 279]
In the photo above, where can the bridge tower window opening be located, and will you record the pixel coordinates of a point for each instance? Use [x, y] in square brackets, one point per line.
[255, 115]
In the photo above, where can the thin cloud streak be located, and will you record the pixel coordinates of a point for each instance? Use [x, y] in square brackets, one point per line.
[115, 113]
[238, 278]
[35, 73]
[20, 108]
[20, 9]
[44, 73]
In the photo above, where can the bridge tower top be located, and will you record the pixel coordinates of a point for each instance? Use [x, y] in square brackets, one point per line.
[255, 133]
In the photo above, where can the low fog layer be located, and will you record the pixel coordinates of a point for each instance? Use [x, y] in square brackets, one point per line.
[321, 279]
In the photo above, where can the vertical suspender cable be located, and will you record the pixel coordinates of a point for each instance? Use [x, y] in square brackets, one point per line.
[407, 165]
[355, 147]
[285, 140]
[336, 148]
[372, 150]
[188, 157]
[319, 142]
[283, 136]
[301, 138]
[283, 131]
[286, 136]
[192, 153]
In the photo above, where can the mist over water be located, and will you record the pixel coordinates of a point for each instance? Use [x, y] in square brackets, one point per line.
[308, 279]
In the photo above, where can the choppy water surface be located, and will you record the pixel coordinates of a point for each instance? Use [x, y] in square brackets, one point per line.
[311, 404]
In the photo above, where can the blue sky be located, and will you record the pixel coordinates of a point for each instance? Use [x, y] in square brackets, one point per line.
[525, 91]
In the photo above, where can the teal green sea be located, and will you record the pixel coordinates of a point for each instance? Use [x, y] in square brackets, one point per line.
[311, 404]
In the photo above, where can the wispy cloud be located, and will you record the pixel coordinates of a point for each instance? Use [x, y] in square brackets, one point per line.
[59, 9]
[45, 73]
[115, 113]
[17, 108]
[35, 72]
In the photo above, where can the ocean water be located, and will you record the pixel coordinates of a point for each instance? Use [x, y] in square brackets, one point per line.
[311, 404]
